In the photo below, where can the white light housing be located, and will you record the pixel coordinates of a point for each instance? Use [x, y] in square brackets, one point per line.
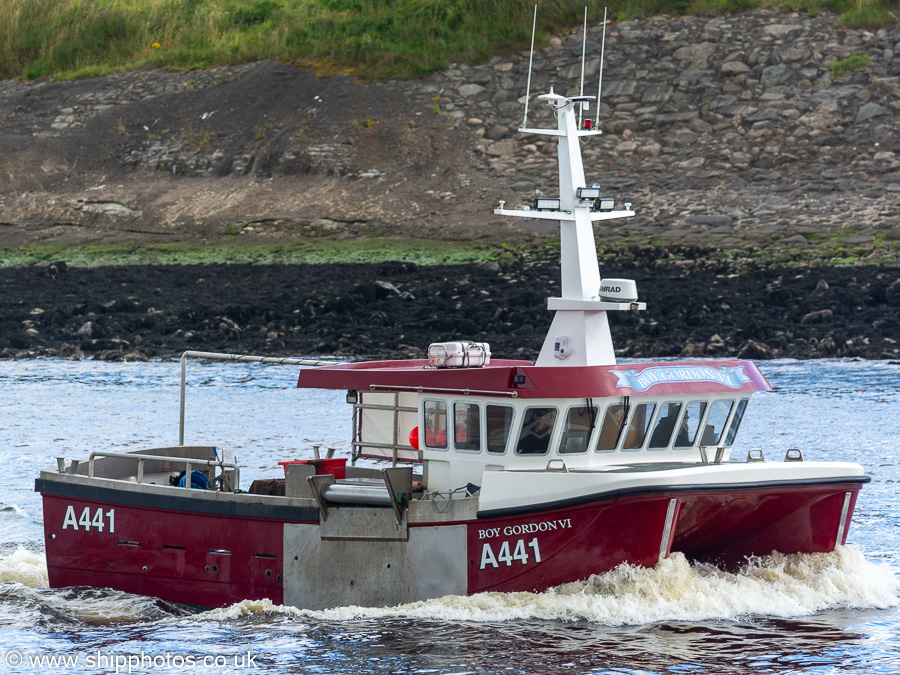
[618, 290]
[605, 204]
[547, 204]
[588, 193]
[561, 348]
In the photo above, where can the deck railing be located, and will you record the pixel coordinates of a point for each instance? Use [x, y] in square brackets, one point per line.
[189, 463]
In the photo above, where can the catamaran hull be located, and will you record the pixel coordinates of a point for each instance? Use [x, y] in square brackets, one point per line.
[726, 529]
[232, 552]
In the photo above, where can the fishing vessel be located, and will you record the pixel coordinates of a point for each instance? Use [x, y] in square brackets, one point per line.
[496, 475]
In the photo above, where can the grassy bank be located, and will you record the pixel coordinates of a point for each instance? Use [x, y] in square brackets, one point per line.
[370, 251]
[374, 38]
[763, 253]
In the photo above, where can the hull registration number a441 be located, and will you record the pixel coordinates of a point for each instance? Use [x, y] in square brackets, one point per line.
[501, 547]
[90, 519]
[509, 552]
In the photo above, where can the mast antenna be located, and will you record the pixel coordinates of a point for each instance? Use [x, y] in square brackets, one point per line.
[583, 51]
[530, 61]
[600, 83]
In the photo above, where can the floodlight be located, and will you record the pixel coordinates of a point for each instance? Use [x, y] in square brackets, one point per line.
[547, 204]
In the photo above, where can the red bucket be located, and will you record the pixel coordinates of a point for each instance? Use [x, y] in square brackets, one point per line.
[336, 466]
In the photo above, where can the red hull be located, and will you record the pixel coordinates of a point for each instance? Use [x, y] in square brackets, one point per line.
[572, 544]
[726, 529]
[195, 559]
[213, 560]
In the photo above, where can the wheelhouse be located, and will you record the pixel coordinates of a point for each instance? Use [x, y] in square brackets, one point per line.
[677, 413]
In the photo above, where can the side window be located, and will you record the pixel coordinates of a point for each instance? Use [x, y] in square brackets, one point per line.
[665, 425]
[580, 423]
[537, 427]
[715, 422]
[736, 422]
[637, 431]
[436, 424]
[498, 420]
[690, 423]
[613, 423]
[467, 427]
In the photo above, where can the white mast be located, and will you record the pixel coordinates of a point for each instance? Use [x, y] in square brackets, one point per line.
[579, 334]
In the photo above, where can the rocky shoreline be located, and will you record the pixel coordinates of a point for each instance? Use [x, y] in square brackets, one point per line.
[766, 189]
[397, 309]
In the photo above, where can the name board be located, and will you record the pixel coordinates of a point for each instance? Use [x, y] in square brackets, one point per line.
[729, 376]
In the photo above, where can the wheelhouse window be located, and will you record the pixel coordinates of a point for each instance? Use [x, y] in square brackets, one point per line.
[498, 421]
[467, 427]
[436, 424]
[537, 428]
[690, 423]
[613, 423]
[580, 421]
[665, 425]
[640, 423]
[736, 422]
[715, 422]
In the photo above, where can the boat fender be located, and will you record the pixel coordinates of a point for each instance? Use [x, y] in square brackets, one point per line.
[199, 481]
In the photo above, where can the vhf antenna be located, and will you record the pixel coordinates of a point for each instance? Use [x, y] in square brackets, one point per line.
[600, 83]
[583, 51]
[530, 61]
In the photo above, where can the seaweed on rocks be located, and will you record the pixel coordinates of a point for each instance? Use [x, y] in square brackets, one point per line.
[398, 309]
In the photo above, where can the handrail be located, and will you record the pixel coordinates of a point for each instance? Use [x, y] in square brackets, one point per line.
[188, 462]
[422, 389]
[376, 406]
[382, 446]
[235, 358]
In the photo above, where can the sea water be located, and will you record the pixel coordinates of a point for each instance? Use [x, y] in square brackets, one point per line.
[820, 613]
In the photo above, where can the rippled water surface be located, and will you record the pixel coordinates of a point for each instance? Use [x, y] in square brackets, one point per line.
[811, 613]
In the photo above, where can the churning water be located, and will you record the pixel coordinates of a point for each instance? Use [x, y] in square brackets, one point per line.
[819, 613]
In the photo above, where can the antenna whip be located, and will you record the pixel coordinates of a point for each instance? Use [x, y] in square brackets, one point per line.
[600, 83]
[583, 51]
[530, 61]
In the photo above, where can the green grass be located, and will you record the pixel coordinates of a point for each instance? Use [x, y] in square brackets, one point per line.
[374, 38]
[421, 252]
[853, 62]
[868, 15]
[429, 252]
[378, 38]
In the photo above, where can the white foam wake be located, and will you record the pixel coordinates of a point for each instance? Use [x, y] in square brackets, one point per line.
[674, 590]
[24, 567]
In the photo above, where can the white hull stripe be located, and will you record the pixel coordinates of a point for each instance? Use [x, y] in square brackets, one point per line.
[667, 530]
[842, 525]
